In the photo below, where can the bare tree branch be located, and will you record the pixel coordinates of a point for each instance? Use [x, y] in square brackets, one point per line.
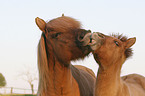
[29, 75]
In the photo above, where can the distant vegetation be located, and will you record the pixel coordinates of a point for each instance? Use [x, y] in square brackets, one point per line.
[2, 80]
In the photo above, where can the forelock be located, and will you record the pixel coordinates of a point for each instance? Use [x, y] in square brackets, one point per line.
[63, 24]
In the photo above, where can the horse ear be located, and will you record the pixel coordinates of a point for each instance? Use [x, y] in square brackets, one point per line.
[62, 14]
[40, 23]
[130, 42]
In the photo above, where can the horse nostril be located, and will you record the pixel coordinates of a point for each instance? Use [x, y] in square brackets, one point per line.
[91, 38]
[81, 37]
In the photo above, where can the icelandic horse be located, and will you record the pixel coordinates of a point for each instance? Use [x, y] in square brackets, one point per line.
[60, 43]
[110, 52]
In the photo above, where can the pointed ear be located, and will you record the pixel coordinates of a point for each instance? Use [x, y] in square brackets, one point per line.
[40, 23]
[63, 14]
[130, 42]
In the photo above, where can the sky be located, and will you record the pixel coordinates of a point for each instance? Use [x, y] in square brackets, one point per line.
[19, 35]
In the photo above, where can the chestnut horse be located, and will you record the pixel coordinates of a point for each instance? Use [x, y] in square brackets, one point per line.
[60, 43]
[110, 52]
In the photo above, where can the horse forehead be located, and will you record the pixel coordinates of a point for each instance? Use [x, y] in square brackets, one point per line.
[111, 38]
[108, 40]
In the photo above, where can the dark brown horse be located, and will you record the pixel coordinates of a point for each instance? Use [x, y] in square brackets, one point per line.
[110, 52]
[61, 42]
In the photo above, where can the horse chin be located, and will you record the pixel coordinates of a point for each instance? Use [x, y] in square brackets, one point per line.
[66, 65]
[86, 51]
[83, 50]
[96, 57]
[95, 46]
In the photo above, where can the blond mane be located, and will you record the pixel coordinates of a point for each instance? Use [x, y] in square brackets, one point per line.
[43, 64]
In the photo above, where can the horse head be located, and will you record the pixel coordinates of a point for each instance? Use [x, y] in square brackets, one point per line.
[63, 38]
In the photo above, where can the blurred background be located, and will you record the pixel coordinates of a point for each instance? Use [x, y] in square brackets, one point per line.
[19, 35]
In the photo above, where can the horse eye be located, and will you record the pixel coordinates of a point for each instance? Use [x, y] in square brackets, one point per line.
[56, 35]
[116, 43]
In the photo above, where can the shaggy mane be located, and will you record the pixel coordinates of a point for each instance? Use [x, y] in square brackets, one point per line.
[128, 51]
[63, 24]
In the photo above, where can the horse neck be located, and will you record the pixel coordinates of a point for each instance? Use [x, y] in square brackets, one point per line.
[108, 81]
[57, 79]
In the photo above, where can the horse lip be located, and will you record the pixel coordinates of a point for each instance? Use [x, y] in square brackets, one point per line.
[93, 42]
[86, 38]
